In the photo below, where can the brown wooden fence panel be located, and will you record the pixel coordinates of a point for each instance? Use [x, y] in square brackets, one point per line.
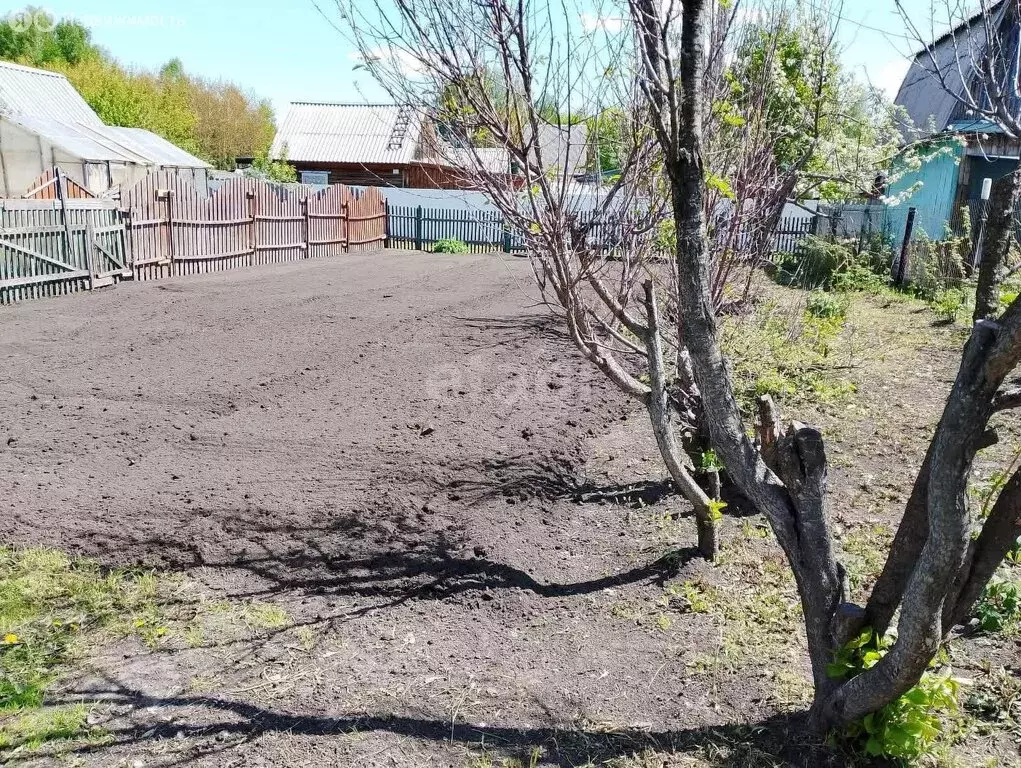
[245, 222]
[163, 227]
[327, 221]
[45, 188]
[366, 221]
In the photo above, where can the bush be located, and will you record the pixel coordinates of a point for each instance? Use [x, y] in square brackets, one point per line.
[827, 306]
[834, 265]
[450, 245]
[813, 264]
[999, 608]
[934, 266]
[947, 304]
[858, 278]
[907, 727]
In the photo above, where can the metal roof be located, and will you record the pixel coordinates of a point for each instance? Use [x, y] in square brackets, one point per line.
[564, 147]
[105, 143]
[155, 147]
[348, 133]
[46, 104]
[923, 96]
[40, 93]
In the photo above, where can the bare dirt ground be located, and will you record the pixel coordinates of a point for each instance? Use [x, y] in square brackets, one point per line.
[412, 527]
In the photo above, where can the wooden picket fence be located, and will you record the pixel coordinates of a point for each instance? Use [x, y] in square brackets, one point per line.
[791, 231]
[60, 240]
[172, 230]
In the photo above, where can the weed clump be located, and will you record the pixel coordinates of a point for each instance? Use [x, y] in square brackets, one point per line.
[789, 352]
[906, 728]
[450, 245]
[52, 607]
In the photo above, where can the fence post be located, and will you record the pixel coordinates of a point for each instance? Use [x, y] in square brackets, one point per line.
[68, 240]
[253, 230]
[305, 227]
[506, 237]
[386, 224]
[90, 246]
[418, 228]
[902, 265]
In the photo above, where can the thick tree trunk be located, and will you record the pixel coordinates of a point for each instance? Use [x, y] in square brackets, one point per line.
[797, 517]
[998, 236]
[933, 570]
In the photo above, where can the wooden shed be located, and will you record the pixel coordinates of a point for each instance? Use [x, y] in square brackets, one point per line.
[381, 145]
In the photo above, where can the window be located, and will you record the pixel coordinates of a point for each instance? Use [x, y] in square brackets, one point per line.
[319, 178]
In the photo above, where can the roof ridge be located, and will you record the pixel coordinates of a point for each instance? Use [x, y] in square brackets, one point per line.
[343, 104]
[26, 68]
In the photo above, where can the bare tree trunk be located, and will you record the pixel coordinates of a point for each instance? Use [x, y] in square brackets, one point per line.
[933, 570]
[998, 237]
[662, 426]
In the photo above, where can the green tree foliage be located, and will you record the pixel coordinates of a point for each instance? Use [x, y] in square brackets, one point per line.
[217, 121]
[607, 132]
[274, 170]
[822, 119]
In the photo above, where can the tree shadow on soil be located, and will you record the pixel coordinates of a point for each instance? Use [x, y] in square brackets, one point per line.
[404, 568]
[547, 478]
[777, 741]
[518, 328]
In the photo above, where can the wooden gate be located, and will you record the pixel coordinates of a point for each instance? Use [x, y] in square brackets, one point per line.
[53, 247]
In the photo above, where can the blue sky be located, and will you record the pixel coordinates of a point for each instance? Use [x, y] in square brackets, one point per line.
[287, 51]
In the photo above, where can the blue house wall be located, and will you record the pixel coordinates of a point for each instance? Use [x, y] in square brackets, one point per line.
[934, 198]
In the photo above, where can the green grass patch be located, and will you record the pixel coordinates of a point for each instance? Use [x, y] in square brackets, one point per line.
[791, 353]
[52, 609]
[36, 729]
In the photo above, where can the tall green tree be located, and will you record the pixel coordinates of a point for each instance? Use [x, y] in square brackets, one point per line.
[217, 121]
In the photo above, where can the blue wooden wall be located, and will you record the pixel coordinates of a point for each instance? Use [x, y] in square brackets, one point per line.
[934, 199]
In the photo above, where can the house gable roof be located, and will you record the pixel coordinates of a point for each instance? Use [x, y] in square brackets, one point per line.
[348, 133]
[926, 100]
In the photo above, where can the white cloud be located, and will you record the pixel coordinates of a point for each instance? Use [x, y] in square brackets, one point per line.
[593, 23]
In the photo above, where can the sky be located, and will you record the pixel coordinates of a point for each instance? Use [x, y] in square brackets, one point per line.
[288, 50]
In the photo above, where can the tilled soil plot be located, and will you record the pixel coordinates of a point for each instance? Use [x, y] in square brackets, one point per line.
[413, 528]
[390, 447]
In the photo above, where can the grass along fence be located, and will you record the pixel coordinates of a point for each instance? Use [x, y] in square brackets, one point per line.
[419, 228]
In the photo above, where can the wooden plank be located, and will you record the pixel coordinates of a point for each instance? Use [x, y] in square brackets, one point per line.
[214, 256]
[33, 279]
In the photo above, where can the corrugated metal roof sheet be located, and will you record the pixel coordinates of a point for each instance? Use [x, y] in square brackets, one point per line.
[348, 133]
[39, 93]
[77, 139]
[155, 148]
[102, 143]
[563, 146]
[923, 96]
